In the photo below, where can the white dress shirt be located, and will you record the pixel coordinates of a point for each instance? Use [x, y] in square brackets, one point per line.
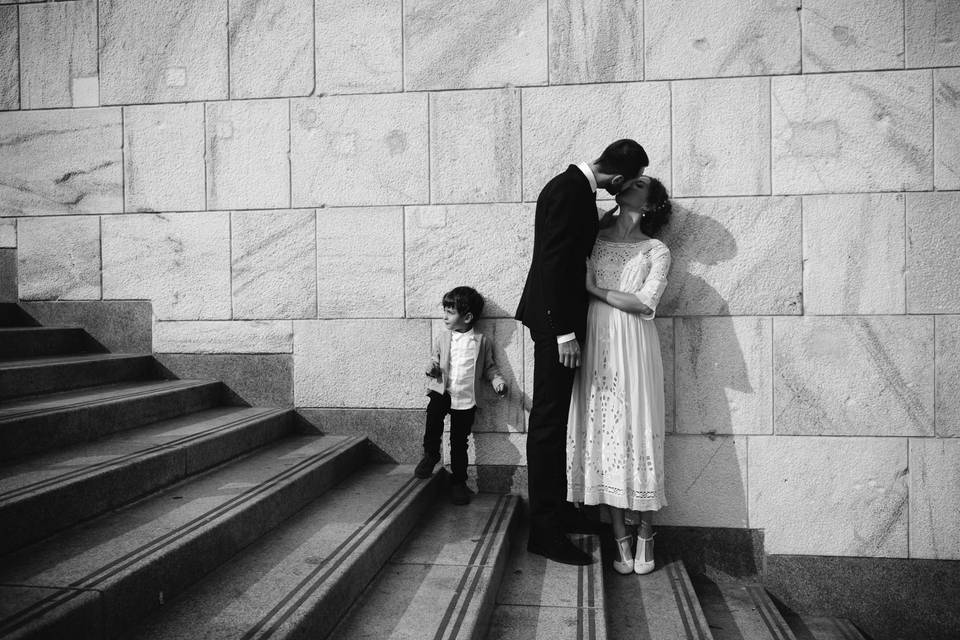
[463, 364]
[592, 179]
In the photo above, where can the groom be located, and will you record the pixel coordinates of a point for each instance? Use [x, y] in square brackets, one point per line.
[554, 308]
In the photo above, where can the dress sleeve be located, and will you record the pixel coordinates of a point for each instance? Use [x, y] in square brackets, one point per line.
[656, 281]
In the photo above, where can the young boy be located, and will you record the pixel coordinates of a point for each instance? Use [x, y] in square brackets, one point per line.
[461, 356]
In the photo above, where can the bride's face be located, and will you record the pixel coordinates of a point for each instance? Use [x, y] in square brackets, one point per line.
[635, 196]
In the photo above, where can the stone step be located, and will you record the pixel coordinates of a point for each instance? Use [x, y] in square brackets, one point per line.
[737, 610]
[44, 494]
[299, 580]
[18, 343]
[820, 628]
[99, 578]
[11, 315]
[443, 580]
[35, 376]
[32, 425]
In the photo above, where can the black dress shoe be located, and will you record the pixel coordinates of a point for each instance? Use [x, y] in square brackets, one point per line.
[425, 466]
[559, 549]
[460, 493]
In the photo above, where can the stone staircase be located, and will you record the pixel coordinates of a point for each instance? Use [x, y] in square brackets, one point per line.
[134, 506]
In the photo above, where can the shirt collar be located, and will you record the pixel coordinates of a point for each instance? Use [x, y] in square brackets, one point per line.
[466, 335]
[588, 172]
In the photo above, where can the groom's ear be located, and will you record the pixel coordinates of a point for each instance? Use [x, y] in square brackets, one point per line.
[616, 180]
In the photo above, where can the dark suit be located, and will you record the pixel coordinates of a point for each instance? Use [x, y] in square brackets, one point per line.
[554, 303]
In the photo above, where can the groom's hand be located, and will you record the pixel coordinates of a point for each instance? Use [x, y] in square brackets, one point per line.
[570, 354]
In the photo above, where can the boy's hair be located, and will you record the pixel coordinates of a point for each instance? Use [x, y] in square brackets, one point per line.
[624, 157]
[465, 300]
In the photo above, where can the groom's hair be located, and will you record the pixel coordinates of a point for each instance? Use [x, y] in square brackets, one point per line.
[624, 157]
[465, 300]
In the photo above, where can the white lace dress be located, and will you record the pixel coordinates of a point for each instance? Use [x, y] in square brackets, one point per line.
[616, 421]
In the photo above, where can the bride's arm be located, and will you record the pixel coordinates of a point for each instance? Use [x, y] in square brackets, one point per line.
[622, 300]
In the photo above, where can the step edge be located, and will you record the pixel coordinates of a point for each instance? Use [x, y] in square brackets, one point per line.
[776, 624]
[688, 604]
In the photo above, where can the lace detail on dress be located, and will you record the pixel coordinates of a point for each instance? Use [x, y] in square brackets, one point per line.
[638, 268]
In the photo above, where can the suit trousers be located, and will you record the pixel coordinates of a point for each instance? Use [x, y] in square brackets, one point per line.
[461, 422]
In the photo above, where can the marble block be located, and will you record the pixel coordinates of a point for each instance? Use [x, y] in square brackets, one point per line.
[854, 35]
[248, 165]
[163, 157]
[595, 41]
[932, 33]
[935, 498]
[360, 363]
[8, 233]
[223, 336]
[829, 496]
[274, 264]
[497, 448]
[734, 256]
[706, 482]
[9, 59]
[947, 393]
[271, 48]
[853, 254]
[853, 376]
[567, 125]
[693, 39]
[475, 146]
[360, 250]
[58, 258]
[665, 331]
[55, 162]
[359, 46]
[484, 246]
[721, 137]
[933, 255]
[946, 128]
[360, 150]
[180, 261]
[472, 44]
[853, 132]
[58, 45]
[163, 51]
[724, 380]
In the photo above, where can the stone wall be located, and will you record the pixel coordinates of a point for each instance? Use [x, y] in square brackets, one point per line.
[294, 183]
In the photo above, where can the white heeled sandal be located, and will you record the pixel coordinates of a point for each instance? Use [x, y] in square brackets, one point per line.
[625, 564]
[644, 563]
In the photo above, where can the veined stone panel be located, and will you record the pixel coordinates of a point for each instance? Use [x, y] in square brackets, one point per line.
[721, 137]
[829, 496]
[248, 166]
[180, 261]
[696, 39]
[359, 150]
[475, 146]
[933, 254]
[228, 336]
[59, 258]
[567, 125]
[359, 46]
[162, 51]
[56, 162]
[853, 254]
[864, 376]
[595, 41]
[933, 33]
[271, 48]
[854, 35]
[8, 233]
[705, 481]
[274, 264]
[734, 256]
[853, 132]
[58, 42]
[9, 59]
[472, 44]
[487, 247]
[935, 498]
[947, 330]
[164, 157]
[946, 128]
[360, 262]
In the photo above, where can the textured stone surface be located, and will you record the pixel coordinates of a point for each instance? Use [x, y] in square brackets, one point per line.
[59, 258]
[8, 275]
[665, 332]
[162, 51]
[395, 435]
[180, 261]
[260, 380]
[462, 44]
[734, 256]
[853, 254]
[8, 233]
[853, 376]
[359, 46]
[595, 41]
[946, 128]
[706, 481]
[121, 326]
[947, 394]
[829, 496]
[58, 42]
[691, 39]
[498, 448]
[9, 59]
[360, 250]
[484, 246]
[60, 162]
[934, 498]
[567, 125]
[724, 380]
[163, 157]
[247, 162]
[852, 36]
[853, 132]
[361, 363]
[213, 336]
[721, 137]
[933, 255]
[932, 33]
[475, 146]
[271, 48]
[274, 264]
[379, 141]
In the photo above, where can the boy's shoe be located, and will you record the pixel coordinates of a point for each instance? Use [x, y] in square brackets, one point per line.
[460, 493]
[425, 466]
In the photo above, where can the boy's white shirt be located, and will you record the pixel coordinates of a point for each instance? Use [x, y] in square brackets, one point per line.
[463, 364]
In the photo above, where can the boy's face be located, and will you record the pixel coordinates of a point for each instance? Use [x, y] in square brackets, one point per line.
[456, 322]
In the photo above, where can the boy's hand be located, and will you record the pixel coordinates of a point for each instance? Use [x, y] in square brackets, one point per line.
[435, 372]
[501, 389]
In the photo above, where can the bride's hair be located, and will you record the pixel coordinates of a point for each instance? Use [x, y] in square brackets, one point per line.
[657, 215]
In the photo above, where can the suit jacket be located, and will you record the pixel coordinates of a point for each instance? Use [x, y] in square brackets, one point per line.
[554, 297]
[486, 365]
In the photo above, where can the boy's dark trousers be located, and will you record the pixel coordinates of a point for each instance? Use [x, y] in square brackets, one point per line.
[461, 421]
